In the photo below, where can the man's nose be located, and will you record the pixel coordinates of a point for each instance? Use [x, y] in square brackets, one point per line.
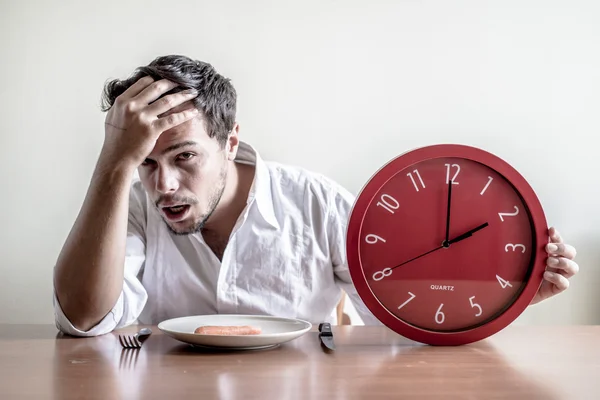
[166, 180]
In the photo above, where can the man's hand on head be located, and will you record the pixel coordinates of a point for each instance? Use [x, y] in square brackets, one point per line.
[137, 118]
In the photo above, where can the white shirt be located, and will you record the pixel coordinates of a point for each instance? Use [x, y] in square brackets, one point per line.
[286, 256]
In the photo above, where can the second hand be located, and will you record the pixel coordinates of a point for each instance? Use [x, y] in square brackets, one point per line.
[465, 235]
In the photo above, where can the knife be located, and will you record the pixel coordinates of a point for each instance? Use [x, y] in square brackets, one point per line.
[326, 335]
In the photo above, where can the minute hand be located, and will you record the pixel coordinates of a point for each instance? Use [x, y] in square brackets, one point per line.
[467, 234]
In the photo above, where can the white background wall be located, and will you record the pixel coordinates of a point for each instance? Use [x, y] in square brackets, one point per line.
[339, 87]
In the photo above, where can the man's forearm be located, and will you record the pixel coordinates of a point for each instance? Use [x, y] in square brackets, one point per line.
[89, 270]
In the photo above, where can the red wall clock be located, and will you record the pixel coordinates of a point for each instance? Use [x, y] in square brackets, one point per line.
[445, 244]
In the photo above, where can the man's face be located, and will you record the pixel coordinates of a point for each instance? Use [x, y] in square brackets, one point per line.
[185, 176]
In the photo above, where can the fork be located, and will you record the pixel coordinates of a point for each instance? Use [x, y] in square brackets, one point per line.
[135, 341]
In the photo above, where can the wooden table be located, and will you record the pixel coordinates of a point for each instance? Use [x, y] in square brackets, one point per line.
[558, 362]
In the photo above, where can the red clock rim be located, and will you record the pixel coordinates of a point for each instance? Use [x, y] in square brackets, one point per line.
[373, 185]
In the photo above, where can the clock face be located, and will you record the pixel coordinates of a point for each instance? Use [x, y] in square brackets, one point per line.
[438, 274]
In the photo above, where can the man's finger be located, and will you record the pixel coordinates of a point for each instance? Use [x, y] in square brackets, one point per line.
[154, 91]
[171, 120]
[555, 236]
[561, 250]
[137, 87]
[169, 102]
[566, 266]
[559, 282]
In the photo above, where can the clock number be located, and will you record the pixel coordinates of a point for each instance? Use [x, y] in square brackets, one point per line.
[439, 315]
[389, 203]
[504, 283]
[490, 179]
[475, 305]
[413, 179]
[379, 275]
[412, 296]
[372, 239]
[448, 166]
[512, 214]
[514, 247]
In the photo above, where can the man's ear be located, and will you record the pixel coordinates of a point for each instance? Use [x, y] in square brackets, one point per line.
[233, 141]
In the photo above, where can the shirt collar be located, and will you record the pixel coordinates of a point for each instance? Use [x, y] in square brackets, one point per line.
[260, 191]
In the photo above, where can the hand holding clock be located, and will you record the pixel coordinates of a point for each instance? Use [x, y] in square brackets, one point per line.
[471, 288]
[560, 267]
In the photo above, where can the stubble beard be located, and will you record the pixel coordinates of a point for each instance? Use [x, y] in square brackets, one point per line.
[213, 202]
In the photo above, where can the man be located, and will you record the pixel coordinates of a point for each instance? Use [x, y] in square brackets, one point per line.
[209, 227]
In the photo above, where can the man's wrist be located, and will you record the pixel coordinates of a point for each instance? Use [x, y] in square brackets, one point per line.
[115, 163]
[115, 169]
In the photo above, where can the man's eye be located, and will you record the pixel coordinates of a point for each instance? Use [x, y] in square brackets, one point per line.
[185, 156]
[147, 161]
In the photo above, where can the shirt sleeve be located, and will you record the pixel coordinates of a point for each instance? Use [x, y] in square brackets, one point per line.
[339, 213]
[133, 296]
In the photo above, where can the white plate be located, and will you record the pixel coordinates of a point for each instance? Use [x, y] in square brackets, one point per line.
[275, 330]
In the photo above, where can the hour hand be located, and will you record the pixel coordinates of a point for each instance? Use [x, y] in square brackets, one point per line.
[467, 234]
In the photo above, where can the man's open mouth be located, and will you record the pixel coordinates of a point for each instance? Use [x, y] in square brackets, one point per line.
[177, 212]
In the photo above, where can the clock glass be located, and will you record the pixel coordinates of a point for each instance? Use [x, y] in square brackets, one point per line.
[443, 244]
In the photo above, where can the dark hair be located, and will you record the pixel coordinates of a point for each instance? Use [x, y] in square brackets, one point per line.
[216, 95]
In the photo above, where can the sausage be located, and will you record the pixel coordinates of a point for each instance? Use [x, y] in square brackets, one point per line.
[225, 330]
